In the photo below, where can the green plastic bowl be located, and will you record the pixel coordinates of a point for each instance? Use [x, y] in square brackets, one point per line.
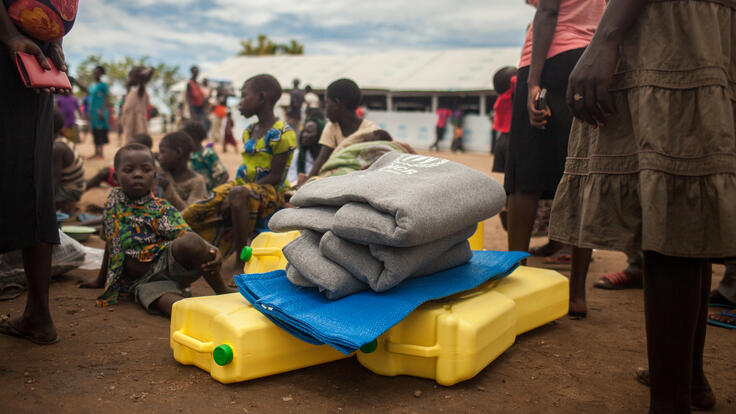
[78, 233]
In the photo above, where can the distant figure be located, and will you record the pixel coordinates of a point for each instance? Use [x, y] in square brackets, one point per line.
[134, 112]
[504, 82]
[67, 168]
[458, 117]
[217, 118]
[99, 114]
[68, 105]
[311, 99]
[229, 137]
[196, 99]
[294, 110]
[442, 115]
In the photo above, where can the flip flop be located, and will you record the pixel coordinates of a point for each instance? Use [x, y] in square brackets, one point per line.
[618, 280]
[729, 314]
[546, 249]
[560, 259]
[716, 300]
[7, 329]
[11, 291]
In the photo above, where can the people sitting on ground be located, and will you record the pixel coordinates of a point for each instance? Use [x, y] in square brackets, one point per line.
[150, 251]
[204, 160]
[107, 174]
[342, 99]
[67, 168]
[179, 185]
[308, 148]
[228, 217]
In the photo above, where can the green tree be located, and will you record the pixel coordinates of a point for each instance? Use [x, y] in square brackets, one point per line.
[164, 78]
[265, 46]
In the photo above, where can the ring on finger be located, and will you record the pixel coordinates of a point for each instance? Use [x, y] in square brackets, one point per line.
[577, 97]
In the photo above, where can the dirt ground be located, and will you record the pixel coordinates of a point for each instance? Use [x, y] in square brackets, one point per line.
[118, 359]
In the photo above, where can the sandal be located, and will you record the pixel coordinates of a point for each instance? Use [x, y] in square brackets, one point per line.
[560, 259]
[619, 280]
[728, 320]
[703, 400]
[11, 291]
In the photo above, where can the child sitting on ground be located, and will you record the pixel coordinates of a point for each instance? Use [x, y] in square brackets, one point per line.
[229, 216]
[67, 168]
[150, 252]
[204, 160]
[106, 174]
[341, 101]
[179, 185]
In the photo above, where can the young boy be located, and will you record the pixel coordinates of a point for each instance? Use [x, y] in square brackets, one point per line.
[229, 216]
[150, 253]
[179, 185]
[67, 168]
[204, 160]
[106, 174]
[342, 99]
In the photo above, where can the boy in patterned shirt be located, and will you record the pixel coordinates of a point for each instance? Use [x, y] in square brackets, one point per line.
[151, 252]
[229, 216]
[203, 160]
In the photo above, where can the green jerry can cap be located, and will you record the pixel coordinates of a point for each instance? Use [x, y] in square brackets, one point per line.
[246, 254]
[223, 355]
[369, 347]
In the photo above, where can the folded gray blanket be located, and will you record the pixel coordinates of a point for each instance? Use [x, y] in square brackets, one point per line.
[308, 266]
[383, 267]
[405, 200]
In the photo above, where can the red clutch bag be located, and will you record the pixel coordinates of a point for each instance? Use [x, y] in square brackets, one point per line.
[34, 76]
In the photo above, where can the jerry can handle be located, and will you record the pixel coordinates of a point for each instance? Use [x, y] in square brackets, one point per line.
[192, 343]
[415, 350]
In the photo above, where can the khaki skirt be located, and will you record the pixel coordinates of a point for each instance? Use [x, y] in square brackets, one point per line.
[661, 174]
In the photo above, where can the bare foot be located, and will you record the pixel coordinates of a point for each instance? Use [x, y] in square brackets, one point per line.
[230, 267]
[39, 332]
[577, 310]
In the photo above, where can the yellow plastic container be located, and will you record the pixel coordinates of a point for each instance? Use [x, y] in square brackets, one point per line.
[266, 254]
[541, 296]
[225, 336]
[448, 340]
[452, 339]
[476, 240]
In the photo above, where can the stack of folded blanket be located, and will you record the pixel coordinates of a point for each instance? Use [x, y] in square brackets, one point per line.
[405, 216]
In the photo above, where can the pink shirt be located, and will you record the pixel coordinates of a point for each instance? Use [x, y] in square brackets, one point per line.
[576, 23]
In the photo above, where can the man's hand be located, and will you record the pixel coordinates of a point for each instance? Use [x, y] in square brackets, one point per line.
[213, 267]
[537, 117]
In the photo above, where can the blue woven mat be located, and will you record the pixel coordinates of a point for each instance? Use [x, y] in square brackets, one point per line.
[353, 321]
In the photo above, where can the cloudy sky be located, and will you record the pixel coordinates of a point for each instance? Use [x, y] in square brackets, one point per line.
[183, 32]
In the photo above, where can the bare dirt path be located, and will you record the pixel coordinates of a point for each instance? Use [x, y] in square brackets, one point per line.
[118, 359]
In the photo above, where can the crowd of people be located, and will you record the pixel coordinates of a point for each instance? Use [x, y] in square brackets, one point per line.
[634, 143]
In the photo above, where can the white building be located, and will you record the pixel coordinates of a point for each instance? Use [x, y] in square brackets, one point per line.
[402, 90]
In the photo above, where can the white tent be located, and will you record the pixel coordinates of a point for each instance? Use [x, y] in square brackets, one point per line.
[457, 70]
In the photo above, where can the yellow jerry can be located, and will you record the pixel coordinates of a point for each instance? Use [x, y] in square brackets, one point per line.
[264, 253]
[225, 336]
[452, 339]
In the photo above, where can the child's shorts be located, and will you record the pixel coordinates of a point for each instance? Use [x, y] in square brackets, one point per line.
[165, 276]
